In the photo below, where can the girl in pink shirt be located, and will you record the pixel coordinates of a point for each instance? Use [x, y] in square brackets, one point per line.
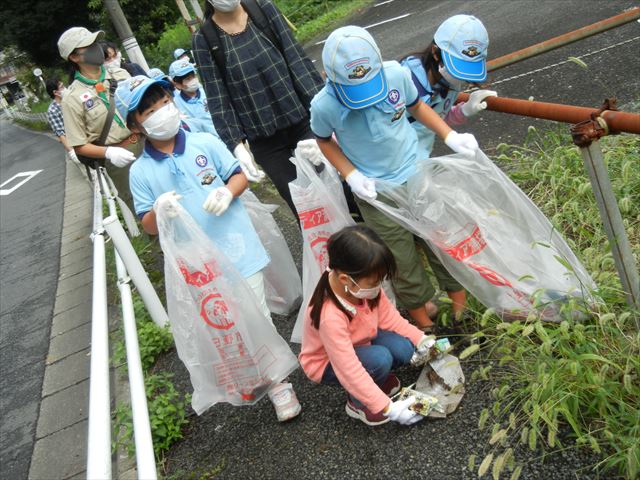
[353, 335]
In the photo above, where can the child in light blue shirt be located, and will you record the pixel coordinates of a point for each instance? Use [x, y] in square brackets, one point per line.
[364, 103]
[189, 94]
[456, 57]
[197, 170]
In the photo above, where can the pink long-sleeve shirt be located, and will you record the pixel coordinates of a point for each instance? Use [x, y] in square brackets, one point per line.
[336, 338]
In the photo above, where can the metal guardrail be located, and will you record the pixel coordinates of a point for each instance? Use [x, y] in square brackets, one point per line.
[99, 435]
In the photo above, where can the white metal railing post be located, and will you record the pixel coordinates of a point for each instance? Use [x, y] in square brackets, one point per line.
[136, 271]
[145, 459]
[99, 431]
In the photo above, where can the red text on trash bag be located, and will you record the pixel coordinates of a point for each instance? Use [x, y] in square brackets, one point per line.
[199, 278]
[313, 218]
[468, 247]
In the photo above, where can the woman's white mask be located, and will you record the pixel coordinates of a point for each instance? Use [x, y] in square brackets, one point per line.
[224, 5]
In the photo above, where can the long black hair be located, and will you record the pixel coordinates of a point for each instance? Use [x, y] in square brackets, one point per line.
[359, 252]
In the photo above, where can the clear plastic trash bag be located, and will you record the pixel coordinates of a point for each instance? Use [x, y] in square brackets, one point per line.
[232, 351]
[322, 209]
[443, 379]
[490, 236]
[282, 284]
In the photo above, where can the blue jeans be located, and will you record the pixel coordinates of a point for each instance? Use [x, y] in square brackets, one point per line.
[387, 352]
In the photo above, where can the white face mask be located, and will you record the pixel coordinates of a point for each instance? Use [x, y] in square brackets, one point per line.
[163, 124]
[191, 86]
[115, 63]
[365, 293]
[224, 5]
[454, 83]
[63, 92]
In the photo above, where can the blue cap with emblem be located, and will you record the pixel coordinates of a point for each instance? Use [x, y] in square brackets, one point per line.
[463, 41]
[353, 65]
[130, 92]
[181, 67]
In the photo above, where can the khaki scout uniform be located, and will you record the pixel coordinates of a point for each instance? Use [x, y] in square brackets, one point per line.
[84, 114]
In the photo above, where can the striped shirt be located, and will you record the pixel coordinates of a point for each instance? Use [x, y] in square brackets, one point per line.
[54, 116]
[265, 89]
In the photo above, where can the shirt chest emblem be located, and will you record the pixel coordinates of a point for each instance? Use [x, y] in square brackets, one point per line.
[87, 100]
[398, 115]
[393, 96]
[201, 161]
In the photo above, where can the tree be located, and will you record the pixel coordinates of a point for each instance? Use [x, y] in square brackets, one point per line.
[34, 27]
[147, 18]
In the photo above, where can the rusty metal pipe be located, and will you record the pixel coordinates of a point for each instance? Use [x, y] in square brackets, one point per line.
[616, 121]
[565, 39]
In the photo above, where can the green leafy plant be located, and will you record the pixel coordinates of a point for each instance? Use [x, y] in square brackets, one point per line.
[167, 415]
[575, 377]
[152, 339]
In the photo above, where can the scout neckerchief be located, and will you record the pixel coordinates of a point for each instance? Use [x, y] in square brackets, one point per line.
[100, 90]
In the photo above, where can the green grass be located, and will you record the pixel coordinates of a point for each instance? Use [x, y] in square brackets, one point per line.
[577, 376]
[40, 107]
[38, 126]
[311, 18]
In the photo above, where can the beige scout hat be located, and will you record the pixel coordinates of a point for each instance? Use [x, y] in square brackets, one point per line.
[76, 37]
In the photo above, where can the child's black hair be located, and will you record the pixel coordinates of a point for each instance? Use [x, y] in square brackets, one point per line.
[359, 252]
[154, 93]
[430, 60]
[180, 78]
[52, 85]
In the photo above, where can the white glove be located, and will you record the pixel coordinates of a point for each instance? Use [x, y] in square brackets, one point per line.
[218, 201]
[71, 155]
[309, 150]
[475, 103]
[247, 163]
[399, 412]
[119, 157]
[421, 355]
[167, 203]
[464, 143]
[362, 186]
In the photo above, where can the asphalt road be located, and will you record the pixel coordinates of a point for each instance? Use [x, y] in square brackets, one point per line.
[30, 226]
[513, 25]
[323, 442]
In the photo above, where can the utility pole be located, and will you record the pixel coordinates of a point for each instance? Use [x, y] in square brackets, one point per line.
[192, 24]
[129, 42]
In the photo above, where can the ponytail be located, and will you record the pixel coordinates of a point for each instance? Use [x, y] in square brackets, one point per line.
[359, 252]
[323, 290]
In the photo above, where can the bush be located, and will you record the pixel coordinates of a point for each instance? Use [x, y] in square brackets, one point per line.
[160, 55]
[585, 375]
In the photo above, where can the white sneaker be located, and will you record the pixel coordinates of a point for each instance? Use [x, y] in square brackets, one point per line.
[284, 401]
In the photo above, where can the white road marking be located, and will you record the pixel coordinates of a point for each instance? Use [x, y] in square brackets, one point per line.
[28, 176]
[382, 3]
[376, 24]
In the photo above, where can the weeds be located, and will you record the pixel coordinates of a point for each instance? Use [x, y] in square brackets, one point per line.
[167, 415]
[581, 376]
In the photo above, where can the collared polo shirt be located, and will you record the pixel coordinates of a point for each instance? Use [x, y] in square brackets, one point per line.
[442, 106]
[84, 113]
[378, 140]
[199, 164]
[196, 107]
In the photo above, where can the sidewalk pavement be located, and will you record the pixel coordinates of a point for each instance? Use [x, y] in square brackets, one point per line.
[60, 450]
